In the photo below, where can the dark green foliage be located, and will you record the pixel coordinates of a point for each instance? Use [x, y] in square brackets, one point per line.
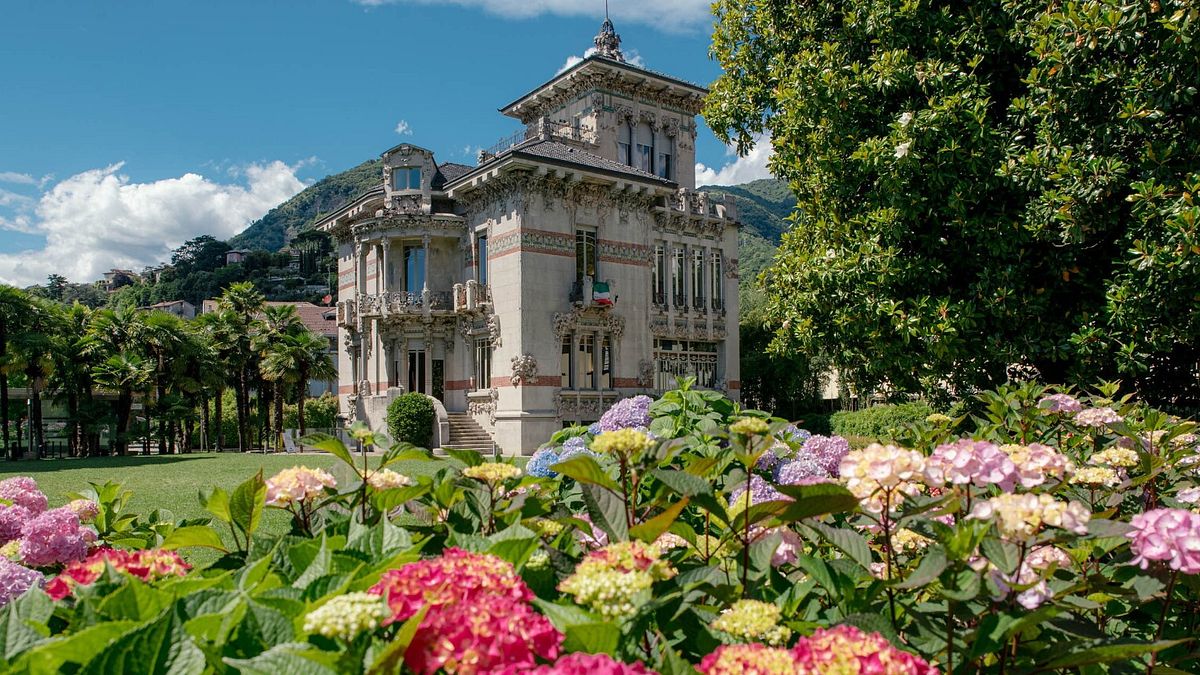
[816, 422]
[880, 421]
[979, 185]
[319, 413]
[410, 419]
[301, 212]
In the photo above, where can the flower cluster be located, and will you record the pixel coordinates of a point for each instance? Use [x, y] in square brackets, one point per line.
[12, 519]
[23, 491]
[751, 659]
[880, 473]
[1189, 495]
[967, 462]
[1019, 517]
[760, 491]
[539, 464]
[297, 484]
[752, 621]
[905, 540]
[582, 663]
[1060, 403]
[499, 633]
[1037, 566]
[846, 649]
[346, 616]
[455, 576]
[15, 580]
[793, 434]
[615, 580]
[1166, 535]
[1096, 476]
[55, 537]
[86, 509]
[1113, 456]
[492, 472]
[749, 426]
[1037, 463]
[1097, 418]
[386, 479]
[623, 442]
[147, 565]
[801, 469]
[630, 413]
[829, 451]
[573, 447]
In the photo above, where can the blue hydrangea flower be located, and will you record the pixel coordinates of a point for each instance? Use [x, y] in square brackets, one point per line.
[595, 429]
[828, 450]
[794, 434]
[800, 469]
[629, 413]
[760, 491]
[573, 448]
[539, 464]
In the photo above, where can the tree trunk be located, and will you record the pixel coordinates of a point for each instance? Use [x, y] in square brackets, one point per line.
[217, 413]
[124, 405]
[4, 386]
[301, 395]
[204, 423]
[73, 415]
[35, 430]
[160, 393]
[279, 416]
[242, 411]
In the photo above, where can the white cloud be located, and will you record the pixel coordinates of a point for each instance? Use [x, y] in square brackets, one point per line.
[753, 166]
[671, 15]
[12, 199]
[632, 57]
[19, 178]
[403, 129]
[99, 219]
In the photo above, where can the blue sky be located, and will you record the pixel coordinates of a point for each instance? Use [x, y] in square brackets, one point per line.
[127, 126]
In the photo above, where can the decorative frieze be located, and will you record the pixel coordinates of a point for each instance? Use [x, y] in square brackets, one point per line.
[572, 405]
[593, 318]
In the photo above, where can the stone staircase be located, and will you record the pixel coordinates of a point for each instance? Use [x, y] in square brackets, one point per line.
[466, 434]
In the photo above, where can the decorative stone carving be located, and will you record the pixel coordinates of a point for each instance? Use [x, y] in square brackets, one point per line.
[364, 388]
[645, 374]
[584, 318]
[493, 330]
[608, 43]
[484, 406]
[649, 118]
[583, 405]
[671, 126]
[524, 369]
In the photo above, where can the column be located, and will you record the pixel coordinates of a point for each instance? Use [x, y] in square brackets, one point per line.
[360, 262]
[378, 268]
[425, 243]
[387, 244]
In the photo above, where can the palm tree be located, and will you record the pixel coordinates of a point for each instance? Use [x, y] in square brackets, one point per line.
[125, 373]
[14, 305]
[278, 323]
[116, 334]
[314, 364]
[34, 346]
[217, 330]
[240, 305]
[73, 375]
[162, 338]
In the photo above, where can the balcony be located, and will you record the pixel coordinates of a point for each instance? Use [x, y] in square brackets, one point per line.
[585, 293]
[398, 303]
[659, 299]
[718, 305]
[699, 304]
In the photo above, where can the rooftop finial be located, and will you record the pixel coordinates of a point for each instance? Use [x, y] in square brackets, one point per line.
[608, 43]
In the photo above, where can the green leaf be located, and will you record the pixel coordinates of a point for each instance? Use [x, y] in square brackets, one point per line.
[564, 616]
[293, 658]
[216, 501]
[389, 659]
[962, 585]
[682, 482]
[1004, 555]
[386, 500]
[607, 512]
[246, 504]
[134, 601]
[593, 638]
[1109, 653]
[847, 541]
[816, 500]
[468, 457]
[160, 646]
[333, 446]
[930, 568]
[653, 528]
[379, 540]
[761, 551]
[586, 470]
[514, 544]
[193, 535]
[49, 656]
[23, 622]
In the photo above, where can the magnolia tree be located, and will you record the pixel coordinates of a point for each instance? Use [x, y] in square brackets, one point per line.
[1054, 531]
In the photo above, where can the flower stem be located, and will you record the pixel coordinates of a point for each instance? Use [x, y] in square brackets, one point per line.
[1162, 619]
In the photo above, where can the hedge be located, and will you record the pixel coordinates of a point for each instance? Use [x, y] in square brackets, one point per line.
[410, 419]
[878, 422]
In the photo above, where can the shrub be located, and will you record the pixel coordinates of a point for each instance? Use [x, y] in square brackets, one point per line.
[410, 419]
[319, 413]
[879, 421]
[816, 422]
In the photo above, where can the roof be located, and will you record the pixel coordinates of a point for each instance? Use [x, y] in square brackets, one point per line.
[555, 152]
[168, 303]
[446, 173]
[603, 60]
[318, 319]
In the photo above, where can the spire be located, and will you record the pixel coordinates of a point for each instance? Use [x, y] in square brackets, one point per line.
[608, 43]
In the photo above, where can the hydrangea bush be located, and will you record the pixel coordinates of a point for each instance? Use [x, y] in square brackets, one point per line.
[1054, 531]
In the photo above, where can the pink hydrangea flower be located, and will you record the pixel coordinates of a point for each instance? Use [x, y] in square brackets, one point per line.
[846, 649]
[454, 576]
[15, 580]
[1037, 463]
[12, 519]
[1035, 569]
[1189, 496]
[23, 491]
[297, 484]
[967, 462]
[86, 509]
[1166, 535]
[828, 451]
[581, 663]
[1060, 403]
[751, 659]
[1097, 418]
[55, 537]
[147, 565]
[483, 635]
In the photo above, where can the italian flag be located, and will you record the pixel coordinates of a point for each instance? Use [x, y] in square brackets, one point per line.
[600, 293]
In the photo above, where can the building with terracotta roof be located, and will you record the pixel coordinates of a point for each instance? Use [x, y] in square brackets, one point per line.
[574, 266]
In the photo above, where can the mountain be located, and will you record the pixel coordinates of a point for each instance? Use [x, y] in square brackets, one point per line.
[763, 206]
[274, 230]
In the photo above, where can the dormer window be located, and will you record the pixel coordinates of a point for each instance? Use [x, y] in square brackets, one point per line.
[406, 178]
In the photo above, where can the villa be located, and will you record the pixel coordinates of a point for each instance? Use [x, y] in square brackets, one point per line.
[574, 266]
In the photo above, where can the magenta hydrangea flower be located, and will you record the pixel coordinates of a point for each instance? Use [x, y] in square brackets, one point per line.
[23, 491]
[967, 462]
[15, 580]
[582, 663]
[828, 451]
[1060, 403]
[12, 519]
[630, 413]
[1166, 535]
[55, 537]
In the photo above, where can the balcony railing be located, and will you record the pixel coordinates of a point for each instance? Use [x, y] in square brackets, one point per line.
[699, 304]
[404, 302]
[703, 204]
[718, 304]
[660, 298]
[680, 301]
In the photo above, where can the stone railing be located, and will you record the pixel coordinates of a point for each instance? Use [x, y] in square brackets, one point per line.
[472, 296]
[404, 302]
[691, 202]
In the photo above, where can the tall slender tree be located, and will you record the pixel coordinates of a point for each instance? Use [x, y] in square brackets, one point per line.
[14, 305]
[241, 305]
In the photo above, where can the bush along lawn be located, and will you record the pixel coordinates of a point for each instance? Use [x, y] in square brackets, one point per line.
[1055, 531]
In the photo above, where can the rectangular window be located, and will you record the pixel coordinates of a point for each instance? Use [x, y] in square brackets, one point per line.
[664, 166]
[483, 364]
[659, 287]
[416, 370]
[645, 154]
[605, 363]
[718, 291]
[698, 278]
[414, 269]
[568, 364]
[587, 361]
[676, 359]
[623, 155]
[406, 178]
[678, 269]
[481, 259]
[585, 254]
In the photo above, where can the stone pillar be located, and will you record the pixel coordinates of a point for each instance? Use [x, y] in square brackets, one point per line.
[360, 262]
[425, 244]
[387, 244]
